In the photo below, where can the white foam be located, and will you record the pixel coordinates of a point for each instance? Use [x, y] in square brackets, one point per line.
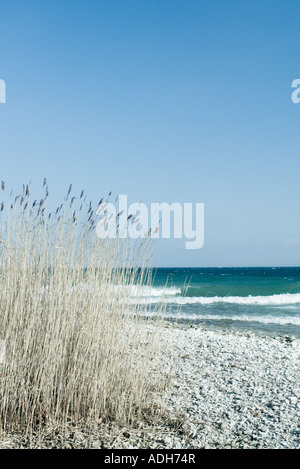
[154, 292]
[272, 300]
[136, 291]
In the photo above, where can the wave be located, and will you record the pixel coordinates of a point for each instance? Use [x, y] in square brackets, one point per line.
[171, 296]
[142, 293]
[287, 320]
[145, 291]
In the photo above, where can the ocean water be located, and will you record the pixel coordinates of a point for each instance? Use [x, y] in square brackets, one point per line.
[264, 300]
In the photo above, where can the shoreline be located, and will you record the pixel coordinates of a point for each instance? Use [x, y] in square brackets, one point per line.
[230, 389]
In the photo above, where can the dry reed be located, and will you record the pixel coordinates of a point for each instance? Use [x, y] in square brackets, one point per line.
[76, 351]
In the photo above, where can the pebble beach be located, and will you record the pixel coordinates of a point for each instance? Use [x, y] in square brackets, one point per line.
[229, 390]
[237, 390]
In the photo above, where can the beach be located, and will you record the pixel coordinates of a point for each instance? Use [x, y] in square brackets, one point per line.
[203, 358]
[227, 390]
[237, 390]
[230, 390]
[149, 226]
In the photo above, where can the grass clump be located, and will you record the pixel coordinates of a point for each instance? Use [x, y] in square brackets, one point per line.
[78, 351]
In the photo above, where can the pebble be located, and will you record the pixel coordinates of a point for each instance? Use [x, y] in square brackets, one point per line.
[241, 394]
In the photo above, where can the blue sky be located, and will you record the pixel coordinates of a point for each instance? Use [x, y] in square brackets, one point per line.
[165, 101]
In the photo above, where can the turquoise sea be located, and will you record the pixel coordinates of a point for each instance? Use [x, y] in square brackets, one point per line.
[261, 299]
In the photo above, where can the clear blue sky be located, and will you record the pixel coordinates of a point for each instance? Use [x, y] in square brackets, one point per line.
[165, 101]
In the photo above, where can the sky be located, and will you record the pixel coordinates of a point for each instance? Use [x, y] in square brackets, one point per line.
[164, 101]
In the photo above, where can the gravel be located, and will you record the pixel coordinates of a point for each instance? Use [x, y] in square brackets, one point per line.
[236, 390]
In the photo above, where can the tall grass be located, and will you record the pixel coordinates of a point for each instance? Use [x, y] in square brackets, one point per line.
[75, 351]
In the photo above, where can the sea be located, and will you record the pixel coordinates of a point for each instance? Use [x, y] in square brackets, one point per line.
[265, 300]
